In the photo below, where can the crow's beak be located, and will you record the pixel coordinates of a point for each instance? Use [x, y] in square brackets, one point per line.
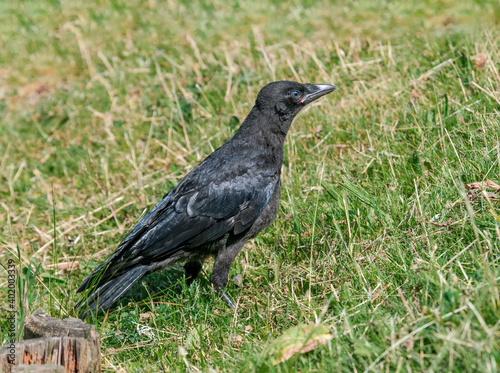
[315, 91]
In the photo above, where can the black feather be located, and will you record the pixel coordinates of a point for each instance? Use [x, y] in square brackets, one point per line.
[105, 295]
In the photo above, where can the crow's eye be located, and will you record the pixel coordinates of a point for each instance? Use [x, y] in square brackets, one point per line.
[295, 95]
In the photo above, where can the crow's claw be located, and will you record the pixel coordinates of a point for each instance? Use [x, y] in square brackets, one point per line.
[227, 299]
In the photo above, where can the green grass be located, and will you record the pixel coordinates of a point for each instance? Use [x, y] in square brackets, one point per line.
[105, 105]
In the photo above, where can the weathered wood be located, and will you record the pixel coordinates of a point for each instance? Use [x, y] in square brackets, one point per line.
[40, 325]
[68, 342]
[23, 368]
[78, 355]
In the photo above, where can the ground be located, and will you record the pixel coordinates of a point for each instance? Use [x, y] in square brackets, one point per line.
[105, 105]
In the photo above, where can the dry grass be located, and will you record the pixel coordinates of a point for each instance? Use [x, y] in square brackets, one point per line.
[105, 106]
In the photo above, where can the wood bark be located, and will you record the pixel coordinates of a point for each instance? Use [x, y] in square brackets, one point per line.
[70, 343]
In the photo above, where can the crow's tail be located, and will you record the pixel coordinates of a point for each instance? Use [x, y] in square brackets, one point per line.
[105, 294]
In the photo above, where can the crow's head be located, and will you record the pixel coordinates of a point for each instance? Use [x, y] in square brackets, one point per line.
[285, 99]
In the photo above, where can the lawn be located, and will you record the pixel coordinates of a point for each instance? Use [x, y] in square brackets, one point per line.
[106, 104]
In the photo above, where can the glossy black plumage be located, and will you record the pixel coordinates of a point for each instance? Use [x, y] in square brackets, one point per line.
[224, 201]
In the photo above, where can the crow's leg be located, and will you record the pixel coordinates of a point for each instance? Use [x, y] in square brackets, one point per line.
[220, 272]
[191, 271]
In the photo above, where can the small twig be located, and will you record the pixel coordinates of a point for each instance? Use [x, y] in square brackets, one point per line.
[460, 253]
[489, 93]
[405, 303]
[433, 70]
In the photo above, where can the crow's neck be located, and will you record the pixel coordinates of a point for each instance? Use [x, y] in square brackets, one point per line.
[265, 131]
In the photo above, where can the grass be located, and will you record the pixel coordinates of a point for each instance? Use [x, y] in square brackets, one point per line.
[105, 105]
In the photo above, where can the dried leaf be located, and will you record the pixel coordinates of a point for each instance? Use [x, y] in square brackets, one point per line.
[237, 279]
[479, 60]
[417, 94]
[146, 316]
[238, 340]
[317, 129]
[483, 184]
[299, 339]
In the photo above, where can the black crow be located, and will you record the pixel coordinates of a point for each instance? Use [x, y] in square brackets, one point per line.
[223, 202]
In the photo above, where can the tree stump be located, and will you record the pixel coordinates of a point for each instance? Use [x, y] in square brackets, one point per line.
[23, 368]
[69, 342]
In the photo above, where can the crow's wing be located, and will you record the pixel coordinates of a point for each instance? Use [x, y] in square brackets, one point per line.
[197, 212]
